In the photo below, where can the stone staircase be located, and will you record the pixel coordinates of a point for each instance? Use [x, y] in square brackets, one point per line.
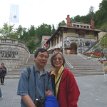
[15, 73]
[81, 65]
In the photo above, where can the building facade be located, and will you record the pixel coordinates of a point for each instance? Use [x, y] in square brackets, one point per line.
[73, 37]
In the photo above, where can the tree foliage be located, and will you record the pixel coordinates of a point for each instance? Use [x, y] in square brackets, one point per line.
[62, 23]
[31, 36]
[103, 42]
[8, 31]
[100, 16]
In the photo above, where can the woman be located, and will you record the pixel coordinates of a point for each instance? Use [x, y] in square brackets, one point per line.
[64, 83]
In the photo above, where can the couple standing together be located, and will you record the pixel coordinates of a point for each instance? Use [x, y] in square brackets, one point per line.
[36, 84]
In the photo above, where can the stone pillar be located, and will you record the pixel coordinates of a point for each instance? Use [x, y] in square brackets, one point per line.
[92, 24]
[69, 22]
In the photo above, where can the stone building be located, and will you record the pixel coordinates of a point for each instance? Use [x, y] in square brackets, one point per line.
[73, 37]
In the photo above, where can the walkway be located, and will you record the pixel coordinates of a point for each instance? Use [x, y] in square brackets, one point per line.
[93, 90]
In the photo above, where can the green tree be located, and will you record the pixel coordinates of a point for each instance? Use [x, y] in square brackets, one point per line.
[8, 31]
[62, 23]
[101, 14]
[53, 29]
[103, 42]
[19, 31]
[31, 31]
[42, 30]
[86, 18]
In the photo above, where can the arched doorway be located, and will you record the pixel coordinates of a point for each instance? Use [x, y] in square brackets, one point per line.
[73, 48]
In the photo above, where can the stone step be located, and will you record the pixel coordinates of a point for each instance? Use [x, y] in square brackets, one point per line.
[85, 74]
[81, 66]
[12, 76]
[13, 73]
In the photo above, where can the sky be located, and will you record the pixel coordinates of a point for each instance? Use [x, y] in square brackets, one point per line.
[51, 12]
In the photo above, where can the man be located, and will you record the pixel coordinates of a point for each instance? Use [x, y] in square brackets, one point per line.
[34, 81]
[3, 71]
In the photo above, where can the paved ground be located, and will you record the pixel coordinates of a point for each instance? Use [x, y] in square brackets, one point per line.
[93, 92]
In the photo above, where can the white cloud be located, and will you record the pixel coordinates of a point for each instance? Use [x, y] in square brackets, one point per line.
[36, 12]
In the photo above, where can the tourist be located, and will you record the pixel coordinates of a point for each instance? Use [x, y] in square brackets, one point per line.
[35, 81]
[3, 72]
[63, 82]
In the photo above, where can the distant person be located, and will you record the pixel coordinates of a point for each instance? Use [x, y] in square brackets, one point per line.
[0, 93]
[35, 82]
[0, 78]
[3, 71]
[63, 82]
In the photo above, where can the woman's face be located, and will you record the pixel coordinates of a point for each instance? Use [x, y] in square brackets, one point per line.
[58, 61]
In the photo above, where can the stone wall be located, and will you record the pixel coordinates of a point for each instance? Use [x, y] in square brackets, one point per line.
[13, 53]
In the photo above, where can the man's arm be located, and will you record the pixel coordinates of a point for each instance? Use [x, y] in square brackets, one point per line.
[23, 89]
[28, 101]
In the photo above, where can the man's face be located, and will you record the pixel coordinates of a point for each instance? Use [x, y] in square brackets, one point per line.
[41, 59]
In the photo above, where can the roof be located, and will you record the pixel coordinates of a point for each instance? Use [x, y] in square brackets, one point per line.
[61, 28]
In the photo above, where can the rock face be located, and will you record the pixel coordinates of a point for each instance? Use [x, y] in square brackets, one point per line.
[13, 54]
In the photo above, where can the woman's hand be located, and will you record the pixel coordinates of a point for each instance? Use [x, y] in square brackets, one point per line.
[48, 93]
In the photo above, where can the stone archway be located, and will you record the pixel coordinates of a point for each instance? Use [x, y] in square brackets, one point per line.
[73, 48]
